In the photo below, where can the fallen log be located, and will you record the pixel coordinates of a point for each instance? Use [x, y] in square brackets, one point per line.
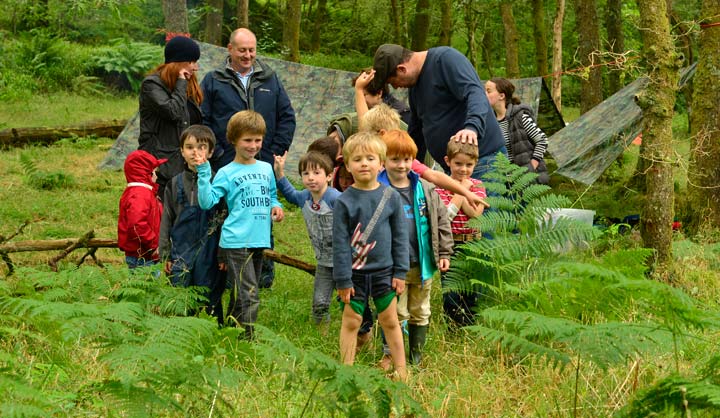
[54, 244]
[15, 137]
[70, 244]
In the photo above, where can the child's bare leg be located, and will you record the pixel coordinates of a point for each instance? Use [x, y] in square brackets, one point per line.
[351, 321]
[393, 334]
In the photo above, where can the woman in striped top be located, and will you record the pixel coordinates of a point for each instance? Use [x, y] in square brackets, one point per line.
[525, 141]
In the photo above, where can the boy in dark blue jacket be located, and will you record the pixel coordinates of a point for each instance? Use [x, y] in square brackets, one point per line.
[189, 235]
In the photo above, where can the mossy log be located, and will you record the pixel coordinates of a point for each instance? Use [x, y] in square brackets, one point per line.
[15, 137]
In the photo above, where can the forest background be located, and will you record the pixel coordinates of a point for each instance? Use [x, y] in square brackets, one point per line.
[584, 333]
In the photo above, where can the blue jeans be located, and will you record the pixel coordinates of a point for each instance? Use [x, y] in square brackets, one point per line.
[322, 294]
[484, 164]
[135, 262]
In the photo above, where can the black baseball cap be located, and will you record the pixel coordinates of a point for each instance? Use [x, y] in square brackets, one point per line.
[387, 58]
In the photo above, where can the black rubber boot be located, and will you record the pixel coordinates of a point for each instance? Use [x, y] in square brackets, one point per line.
[416, 342]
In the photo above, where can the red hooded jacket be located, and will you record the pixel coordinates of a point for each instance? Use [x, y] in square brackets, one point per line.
[140, 209]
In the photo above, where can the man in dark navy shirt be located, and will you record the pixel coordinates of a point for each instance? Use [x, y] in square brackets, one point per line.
[447, 100]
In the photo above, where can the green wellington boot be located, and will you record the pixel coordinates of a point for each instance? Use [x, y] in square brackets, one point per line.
[416, 342]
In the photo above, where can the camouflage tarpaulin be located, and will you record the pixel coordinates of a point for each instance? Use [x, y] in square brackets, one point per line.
[535, 93]
[586, 147]
[317, 94]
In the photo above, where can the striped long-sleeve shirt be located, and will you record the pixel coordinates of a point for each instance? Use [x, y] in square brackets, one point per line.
[536, 135]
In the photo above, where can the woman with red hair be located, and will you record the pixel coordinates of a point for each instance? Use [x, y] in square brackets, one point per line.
[170, 99]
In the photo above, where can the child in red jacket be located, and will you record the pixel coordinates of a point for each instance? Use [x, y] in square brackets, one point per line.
[140, 210]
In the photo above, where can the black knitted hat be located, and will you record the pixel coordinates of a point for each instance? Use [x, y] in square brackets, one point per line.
[181, 49]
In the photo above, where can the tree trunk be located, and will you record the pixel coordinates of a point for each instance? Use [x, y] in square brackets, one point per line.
[685, 34]
[421, 25]
[403, 25]
[471, 22]
[616, 42]
[512, 38]
[539, 33]
[395, 21]
[320, 18]
[487, 44]
[704, 172]
[588, 30]
[557, 54]
[213, 22]
[308, 10]
[657, 102]
[243, 16]
[175, 12]
[291, 31]
[446, 26]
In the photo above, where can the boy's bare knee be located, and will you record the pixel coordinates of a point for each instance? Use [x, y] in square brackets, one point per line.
[388, 320]
[351, 320]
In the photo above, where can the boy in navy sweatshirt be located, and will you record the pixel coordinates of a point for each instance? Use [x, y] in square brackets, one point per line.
[370, 248]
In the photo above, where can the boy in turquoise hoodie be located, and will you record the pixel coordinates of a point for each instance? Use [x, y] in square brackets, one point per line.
[431, 242]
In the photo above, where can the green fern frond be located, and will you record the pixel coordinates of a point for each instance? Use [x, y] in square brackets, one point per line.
[604, 344]
[28, 166]
[677, 395]
[135, 400]
[534, 192]
[521, 346]
[521, 182]
[166, 341]
[711, 370]
[42, 180]
[495, 222]
[630, 262]
[350, 391]
[19, 399]
[495, 189]
[11, 409]
[551, 236]
[610, 343]
[530, 325]
[157, 294]
[114, 323]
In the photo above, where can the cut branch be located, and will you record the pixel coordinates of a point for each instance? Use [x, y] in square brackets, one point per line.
[289, 261]
[82, 242]
[19, 231]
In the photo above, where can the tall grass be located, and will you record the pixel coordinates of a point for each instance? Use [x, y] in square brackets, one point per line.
[461, 375]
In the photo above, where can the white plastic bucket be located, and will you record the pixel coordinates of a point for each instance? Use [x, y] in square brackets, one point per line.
[583, 215]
